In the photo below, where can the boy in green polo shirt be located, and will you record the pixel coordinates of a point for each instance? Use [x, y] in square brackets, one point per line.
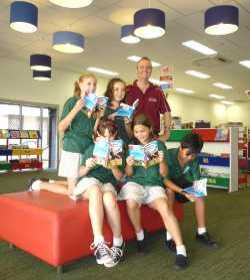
[183, 170]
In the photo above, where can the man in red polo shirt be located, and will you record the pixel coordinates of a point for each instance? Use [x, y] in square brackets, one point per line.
[152, 101]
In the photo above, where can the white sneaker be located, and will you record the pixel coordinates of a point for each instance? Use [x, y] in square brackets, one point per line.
[102, 253]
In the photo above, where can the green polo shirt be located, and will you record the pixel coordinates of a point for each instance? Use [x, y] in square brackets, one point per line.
[119, 121]
[190, 172]
[149, 176]
[78, 136]
[104, 175]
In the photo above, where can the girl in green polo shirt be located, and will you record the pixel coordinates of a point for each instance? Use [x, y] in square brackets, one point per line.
[115, 91]
[145, 186]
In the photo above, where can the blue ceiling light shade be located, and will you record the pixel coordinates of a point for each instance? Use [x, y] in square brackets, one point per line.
[149, 23]
[72, 3]
[42, 75]
[221, 20]
[68, 42]
[23, 17]
[40, 62]
[127, 35]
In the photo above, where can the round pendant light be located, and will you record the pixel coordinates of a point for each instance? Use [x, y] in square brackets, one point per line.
[40, 62]
[72, 3]
[68, 42]
[149, 23]
[23, 17]
[127, 35]
[221, 20]
[42, 75]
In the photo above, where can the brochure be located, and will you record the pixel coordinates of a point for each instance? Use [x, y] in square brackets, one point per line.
[199, 188]
[126, 110]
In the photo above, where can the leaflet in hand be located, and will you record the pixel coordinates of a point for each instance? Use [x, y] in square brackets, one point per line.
[108, 153]
[145, 155]
[199, 188]
[92, 102]
[126, 110]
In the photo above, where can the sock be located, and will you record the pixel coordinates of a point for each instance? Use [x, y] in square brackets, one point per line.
[201, 230]
[140, 235]
[168, 236]
[181, 250]
[117, 241]
[36, 185]
[51, 181]
[98, 239]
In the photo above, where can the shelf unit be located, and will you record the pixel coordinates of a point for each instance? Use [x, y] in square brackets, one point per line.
[25, 157]
[219, 158]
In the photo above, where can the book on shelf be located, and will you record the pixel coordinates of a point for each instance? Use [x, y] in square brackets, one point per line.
[198, 189]
[146, 155]
[108, 153]
[126, 110]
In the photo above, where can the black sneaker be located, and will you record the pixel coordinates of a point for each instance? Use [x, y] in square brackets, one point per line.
[33, 179]
[206, 240]
[141, 246]
[117, 254]
[170, 245]
[102, 253]
[181, 262]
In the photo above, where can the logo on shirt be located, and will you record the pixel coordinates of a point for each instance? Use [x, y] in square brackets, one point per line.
[152, 99]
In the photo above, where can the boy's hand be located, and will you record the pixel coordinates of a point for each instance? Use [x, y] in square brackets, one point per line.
[90, 163]
[190, 197]
[79, 105]
[161, 156]
[130, 161]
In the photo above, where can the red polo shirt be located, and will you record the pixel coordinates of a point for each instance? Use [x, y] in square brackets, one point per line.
[152, 103]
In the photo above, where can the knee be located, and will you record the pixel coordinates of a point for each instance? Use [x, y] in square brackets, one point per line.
[109, 200]
[132, 204]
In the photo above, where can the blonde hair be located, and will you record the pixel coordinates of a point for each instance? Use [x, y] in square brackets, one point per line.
[77, 90]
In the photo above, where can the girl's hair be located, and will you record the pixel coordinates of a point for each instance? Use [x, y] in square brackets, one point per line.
[77, 90]
[110, 87]
[141, 119]
[104, 124]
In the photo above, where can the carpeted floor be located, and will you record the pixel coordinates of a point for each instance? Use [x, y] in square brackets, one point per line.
[228, 221]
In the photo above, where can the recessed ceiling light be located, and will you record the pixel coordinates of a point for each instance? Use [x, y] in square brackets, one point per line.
[185, 91]
[199, 47]
[197, 74]
[227, 102]
[216, 96]
[136, 58]
[223, 86]
[102, 71]
[157, 82]
[245, 63]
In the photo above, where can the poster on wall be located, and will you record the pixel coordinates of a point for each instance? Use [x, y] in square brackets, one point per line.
[34, 134]
[4, 133]
[24, 134]
[14, 134]
[166, 78]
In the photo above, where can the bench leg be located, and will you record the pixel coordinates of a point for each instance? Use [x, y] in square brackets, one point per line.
[59, 270]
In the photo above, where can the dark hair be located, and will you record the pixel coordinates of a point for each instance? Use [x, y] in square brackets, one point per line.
[193, 142]
[110, 87]
[142, 119]
[104, 124]
[77, 90]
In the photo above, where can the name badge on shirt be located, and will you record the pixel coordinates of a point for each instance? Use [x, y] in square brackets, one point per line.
[186, 169]
[152, 99]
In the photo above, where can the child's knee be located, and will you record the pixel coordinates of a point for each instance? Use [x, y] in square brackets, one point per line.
[132, 204]
[110, 200]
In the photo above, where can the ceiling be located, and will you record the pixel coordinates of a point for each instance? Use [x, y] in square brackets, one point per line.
[100, 23]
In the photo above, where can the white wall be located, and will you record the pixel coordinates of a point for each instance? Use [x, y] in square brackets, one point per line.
[17, 84]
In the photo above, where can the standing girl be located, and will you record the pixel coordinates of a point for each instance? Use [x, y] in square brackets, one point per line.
[145, 186]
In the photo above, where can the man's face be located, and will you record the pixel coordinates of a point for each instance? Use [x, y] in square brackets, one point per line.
[144, 69]
[186, 156]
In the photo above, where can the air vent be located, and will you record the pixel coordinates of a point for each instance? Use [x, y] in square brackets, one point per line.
[212, 62]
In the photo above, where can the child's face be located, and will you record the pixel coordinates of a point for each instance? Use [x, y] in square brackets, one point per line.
[118, 91]
[185, 155]
[88, 85]
[142, 133]
[106, 135]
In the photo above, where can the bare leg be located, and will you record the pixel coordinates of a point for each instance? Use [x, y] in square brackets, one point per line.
[169, 219]
[56, 187]
[134, 213]
[112, 212]
[171, 199]
[71, 185]
[200, 212]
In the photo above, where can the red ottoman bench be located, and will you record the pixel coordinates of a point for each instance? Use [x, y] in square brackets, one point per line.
[56, 229]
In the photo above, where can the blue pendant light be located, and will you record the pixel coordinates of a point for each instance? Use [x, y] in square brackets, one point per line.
[40, 62]
[23, 17]
[42, 75]
[149, 23]
[68, 42]
[221, 20]
[127, 35]
[72, 3]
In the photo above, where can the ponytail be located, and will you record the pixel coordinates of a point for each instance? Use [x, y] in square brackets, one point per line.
[77, 90]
